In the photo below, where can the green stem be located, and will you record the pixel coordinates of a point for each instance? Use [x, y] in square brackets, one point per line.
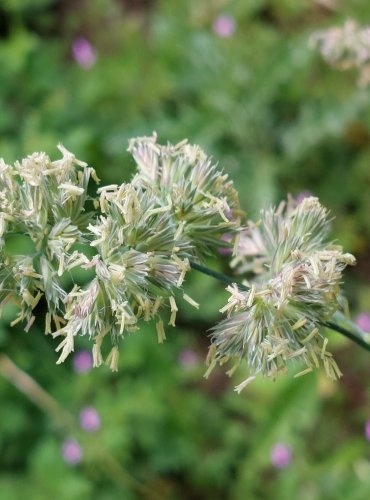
[229, 281]
[219, 276]
[348, 334]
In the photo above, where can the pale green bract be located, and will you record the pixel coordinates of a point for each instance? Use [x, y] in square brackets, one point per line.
[178, 209]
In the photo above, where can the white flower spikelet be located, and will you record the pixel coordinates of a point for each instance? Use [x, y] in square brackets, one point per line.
[281, 316]
[345, 47]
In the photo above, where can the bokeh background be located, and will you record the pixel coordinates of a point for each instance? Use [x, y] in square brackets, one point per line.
[240, 78]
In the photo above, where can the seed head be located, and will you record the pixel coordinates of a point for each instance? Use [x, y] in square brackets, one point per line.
[298, 289]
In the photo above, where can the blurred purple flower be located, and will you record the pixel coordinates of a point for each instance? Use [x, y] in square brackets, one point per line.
[224, 250]
[188, 358]
[302, 195]
[367, 430]
[71, 452]
[83, 53]
[281, 456]
[363, 321]
[224, 26]
[89, 419]
[82, 362]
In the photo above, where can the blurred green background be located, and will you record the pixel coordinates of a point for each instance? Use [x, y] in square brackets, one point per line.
[239, 78]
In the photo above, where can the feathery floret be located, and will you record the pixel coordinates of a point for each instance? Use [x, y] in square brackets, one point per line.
[297, 290]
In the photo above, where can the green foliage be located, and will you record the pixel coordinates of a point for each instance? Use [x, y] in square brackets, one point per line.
[279, 120]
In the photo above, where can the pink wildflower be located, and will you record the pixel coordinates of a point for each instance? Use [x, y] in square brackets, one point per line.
[89, 419]
[71, 452]
[83, 53]
[224, 26]
[281, 456]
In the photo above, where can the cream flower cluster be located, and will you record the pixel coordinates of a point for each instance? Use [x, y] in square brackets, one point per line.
[177, 207]
[345, 47]
[144, 236]
[294, 291]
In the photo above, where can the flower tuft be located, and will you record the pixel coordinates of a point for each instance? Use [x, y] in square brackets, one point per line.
[281, 316]
[345, 47]
[146, 235]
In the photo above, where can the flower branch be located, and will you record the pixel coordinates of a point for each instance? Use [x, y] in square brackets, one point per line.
[178, 209]
[354, 334]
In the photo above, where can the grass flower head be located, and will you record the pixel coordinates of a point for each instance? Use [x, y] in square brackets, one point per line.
[297, 289]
